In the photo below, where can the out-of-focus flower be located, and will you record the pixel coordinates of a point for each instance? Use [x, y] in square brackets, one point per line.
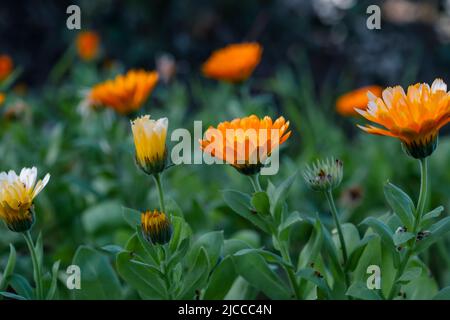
[166, 66]
[245, 143]
[126, 93]
[88, 43]
[2, 98]
[15, 110]
[405, 11]
[6, 66]
[415, 117]
[346, 104]
[17, 193]
[234, 63]
[324, 175]
[156, 227]
[150, 143]
[352, 196]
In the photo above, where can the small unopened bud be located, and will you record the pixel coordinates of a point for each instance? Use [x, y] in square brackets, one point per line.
[156, 227]
[324, 175]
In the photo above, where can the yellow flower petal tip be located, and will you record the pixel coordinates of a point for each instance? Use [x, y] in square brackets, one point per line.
[346, 103]
[17, 193]
[126, 93]
[150, 143]
[234, 63]
[414, 117]
[246, 143]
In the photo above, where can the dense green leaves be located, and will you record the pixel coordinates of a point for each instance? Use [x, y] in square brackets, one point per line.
[401, 204]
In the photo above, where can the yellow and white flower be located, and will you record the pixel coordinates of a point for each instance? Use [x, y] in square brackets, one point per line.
[17, 193]
[150, 143]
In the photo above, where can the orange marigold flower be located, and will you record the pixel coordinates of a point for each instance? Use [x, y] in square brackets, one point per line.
[6, 66]
[346, 104]
[125, 93]
[88, 43]
[245, 143]
[233, 63]
[2, 98]
[415, 117]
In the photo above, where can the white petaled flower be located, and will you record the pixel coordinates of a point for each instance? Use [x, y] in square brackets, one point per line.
[150, 143]
[17, 193]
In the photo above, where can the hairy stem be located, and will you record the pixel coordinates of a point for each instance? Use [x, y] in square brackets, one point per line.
[162, 206]
[36, 265]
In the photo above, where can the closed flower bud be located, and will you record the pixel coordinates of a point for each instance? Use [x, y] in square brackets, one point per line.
[156, 227]
[324, 175]
[150, 143]
[17, 193]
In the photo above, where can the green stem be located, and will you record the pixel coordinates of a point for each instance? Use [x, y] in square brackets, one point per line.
[254, 179]
[36, 265]
[334, 212]
[165, 271]
[418, 218]
[289, 270]
[162, 206]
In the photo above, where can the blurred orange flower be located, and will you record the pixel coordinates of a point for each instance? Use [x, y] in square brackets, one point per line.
[414, 117]
[245, 143]
[6, 66]
[2, 98]
[233, 63]
[346, 104]
[125, 93]
[88, 43]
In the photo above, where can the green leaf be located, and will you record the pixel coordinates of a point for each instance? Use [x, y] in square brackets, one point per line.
[278, 197]
[221, 280]
[400, 203]
[402, 237]
[212, 242]
[181, 231]
[360, 291]
[196, 276]
[410, 274]
[112, 248]
[104, 216]
[270, 257]
[21, 286]
[286, 225]
[382, 230]
[12, 296]
[357, 252]
[98, 278]
[444, 294]
[311, 275]
[260, 201]
[312, 249]
[240, 203]
[253, 268]
[433, 214]
[53, 283]
[232, 246]
[132, 217]
[147, 281]
[437, 230]
[9, 269]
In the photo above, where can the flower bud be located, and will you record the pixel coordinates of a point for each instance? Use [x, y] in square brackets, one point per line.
[156, 227]
[324, 175]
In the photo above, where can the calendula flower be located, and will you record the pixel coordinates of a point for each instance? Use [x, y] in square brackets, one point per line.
[6, 66]
[324, 175]
[414, 117]
[234, 63]
[125, 93]
[156, 227]
[346, 104]
[2, 98]
[17, 193]
[245, 143]
[88, 43]
[150, 143]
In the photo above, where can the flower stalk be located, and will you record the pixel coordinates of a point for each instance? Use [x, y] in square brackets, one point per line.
[157, 178]
[36, 265]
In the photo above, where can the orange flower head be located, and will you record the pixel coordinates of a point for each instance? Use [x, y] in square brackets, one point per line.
[156, 227]
[88, 43]
[126, 93]
[414, 117]
[6, 66]
[2, 98]
[346, 104]
[234, 63]
[245, 143]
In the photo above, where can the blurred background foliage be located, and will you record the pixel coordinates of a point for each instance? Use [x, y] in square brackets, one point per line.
[313, 52]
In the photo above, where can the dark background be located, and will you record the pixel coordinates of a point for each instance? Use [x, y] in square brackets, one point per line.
[332, 33]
